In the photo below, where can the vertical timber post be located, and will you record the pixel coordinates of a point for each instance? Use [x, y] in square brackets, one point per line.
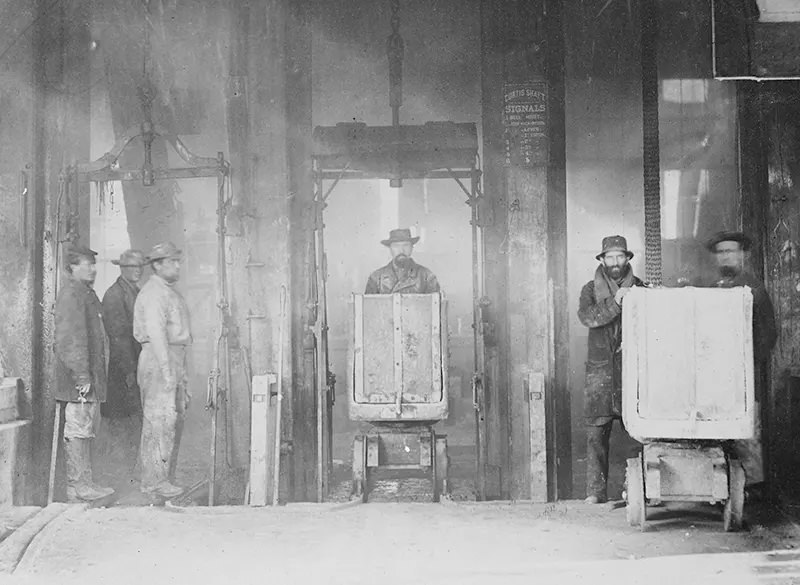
[525, 176]
[298, 96]
[259, 220]
[60, 138]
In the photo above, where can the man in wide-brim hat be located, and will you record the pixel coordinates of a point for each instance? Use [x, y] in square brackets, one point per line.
[122, 410]
[729, 249]
[600, 309]
[402, 274]
[161, 325]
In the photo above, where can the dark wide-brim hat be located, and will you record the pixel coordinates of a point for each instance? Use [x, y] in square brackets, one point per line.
[164, 250]
[400, 235]
[74, 253]
[744, 241]
[615, 244]
[130, 258]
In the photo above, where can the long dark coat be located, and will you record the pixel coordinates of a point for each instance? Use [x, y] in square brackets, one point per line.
[603, 390]
[123, 390]
[418, 279]
[79, 343]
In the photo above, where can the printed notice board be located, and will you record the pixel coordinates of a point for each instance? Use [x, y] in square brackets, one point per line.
[525, 123]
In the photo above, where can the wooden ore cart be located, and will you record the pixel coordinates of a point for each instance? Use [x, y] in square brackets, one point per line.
[687, 392]
[397, 355]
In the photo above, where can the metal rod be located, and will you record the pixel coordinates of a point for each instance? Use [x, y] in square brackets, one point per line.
[222, 304]
[276, 473]
[469, 192]
[361, 175]
[479, 389]
[335, 182]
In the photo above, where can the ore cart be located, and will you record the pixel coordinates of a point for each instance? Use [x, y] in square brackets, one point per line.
[687, 390]
[398, 359]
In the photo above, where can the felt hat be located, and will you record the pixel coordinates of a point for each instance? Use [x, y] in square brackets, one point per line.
[615, 244]
[400, 235]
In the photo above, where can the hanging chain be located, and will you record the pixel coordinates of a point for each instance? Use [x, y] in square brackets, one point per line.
[146, 89]
[395, 48]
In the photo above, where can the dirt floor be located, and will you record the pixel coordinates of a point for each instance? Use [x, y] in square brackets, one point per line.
[453, 542]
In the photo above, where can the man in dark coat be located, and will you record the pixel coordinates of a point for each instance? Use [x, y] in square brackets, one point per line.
[402, 274]
[123, 407]
[601, 311]
[729, 250]
[80, 349]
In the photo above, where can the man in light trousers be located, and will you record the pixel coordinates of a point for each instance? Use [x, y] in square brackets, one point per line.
[161, 325]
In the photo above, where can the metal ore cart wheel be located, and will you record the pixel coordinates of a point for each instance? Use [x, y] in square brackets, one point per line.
[733, 512]
[635, 510]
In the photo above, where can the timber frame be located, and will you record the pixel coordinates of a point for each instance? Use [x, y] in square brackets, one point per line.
[435, 150]
[107, 168]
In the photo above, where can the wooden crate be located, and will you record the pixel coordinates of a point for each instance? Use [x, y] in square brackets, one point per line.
[687, 363]
[398, 357]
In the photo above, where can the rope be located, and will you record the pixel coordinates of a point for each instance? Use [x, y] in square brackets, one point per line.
[651, 166]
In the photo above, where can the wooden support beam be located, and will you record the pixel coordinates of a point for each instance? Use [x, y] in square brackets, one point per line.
[60, 137]
[494, 181]
[525, 177]
[259, 262]
[298, 102]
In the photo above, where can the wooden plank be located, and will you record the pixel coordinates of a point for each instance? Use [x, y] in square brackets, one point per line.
[299, 130]
[358, 391]
[420, 349]
[260, 451]
[537, 397]
[438, 352]
[397, 322]
[378, 342]
[560, 417]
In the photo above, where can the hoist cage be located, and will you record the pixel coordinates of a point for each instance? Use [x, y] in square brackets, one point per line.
[435, 150]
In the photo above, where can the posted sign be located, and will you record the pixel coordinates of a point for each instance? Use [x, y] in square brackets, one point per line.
[525, 123]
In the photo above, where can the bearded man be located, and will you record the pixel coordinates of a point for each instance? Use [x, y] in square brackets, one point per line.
[600, 310]
[402, 274]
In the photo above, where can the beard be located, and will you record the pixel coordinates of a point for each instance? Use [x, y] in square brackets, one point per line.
[729, 271]
[615, 272]
[402, 261]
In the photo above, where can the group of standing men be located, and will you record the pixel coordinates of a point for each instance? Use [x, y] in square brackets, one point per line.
[123, 360]
[600, 309]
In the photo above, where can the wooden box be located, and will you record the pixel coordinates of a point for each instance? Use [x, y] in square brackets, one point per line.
[687, 363]
[398, 358]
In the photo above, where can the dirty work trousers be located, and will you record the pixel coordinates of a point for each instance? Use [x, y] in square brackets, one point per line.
[163, 414]
[598, 434]
[81, 420]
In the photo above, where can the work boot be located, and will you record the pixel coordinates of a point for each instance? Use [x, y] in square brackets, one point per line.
[80, 487]
[89, 476]
[164, 490]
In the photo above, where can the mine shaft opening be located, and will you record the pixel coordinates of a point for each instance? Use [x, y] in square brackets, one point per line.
[438, 198]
